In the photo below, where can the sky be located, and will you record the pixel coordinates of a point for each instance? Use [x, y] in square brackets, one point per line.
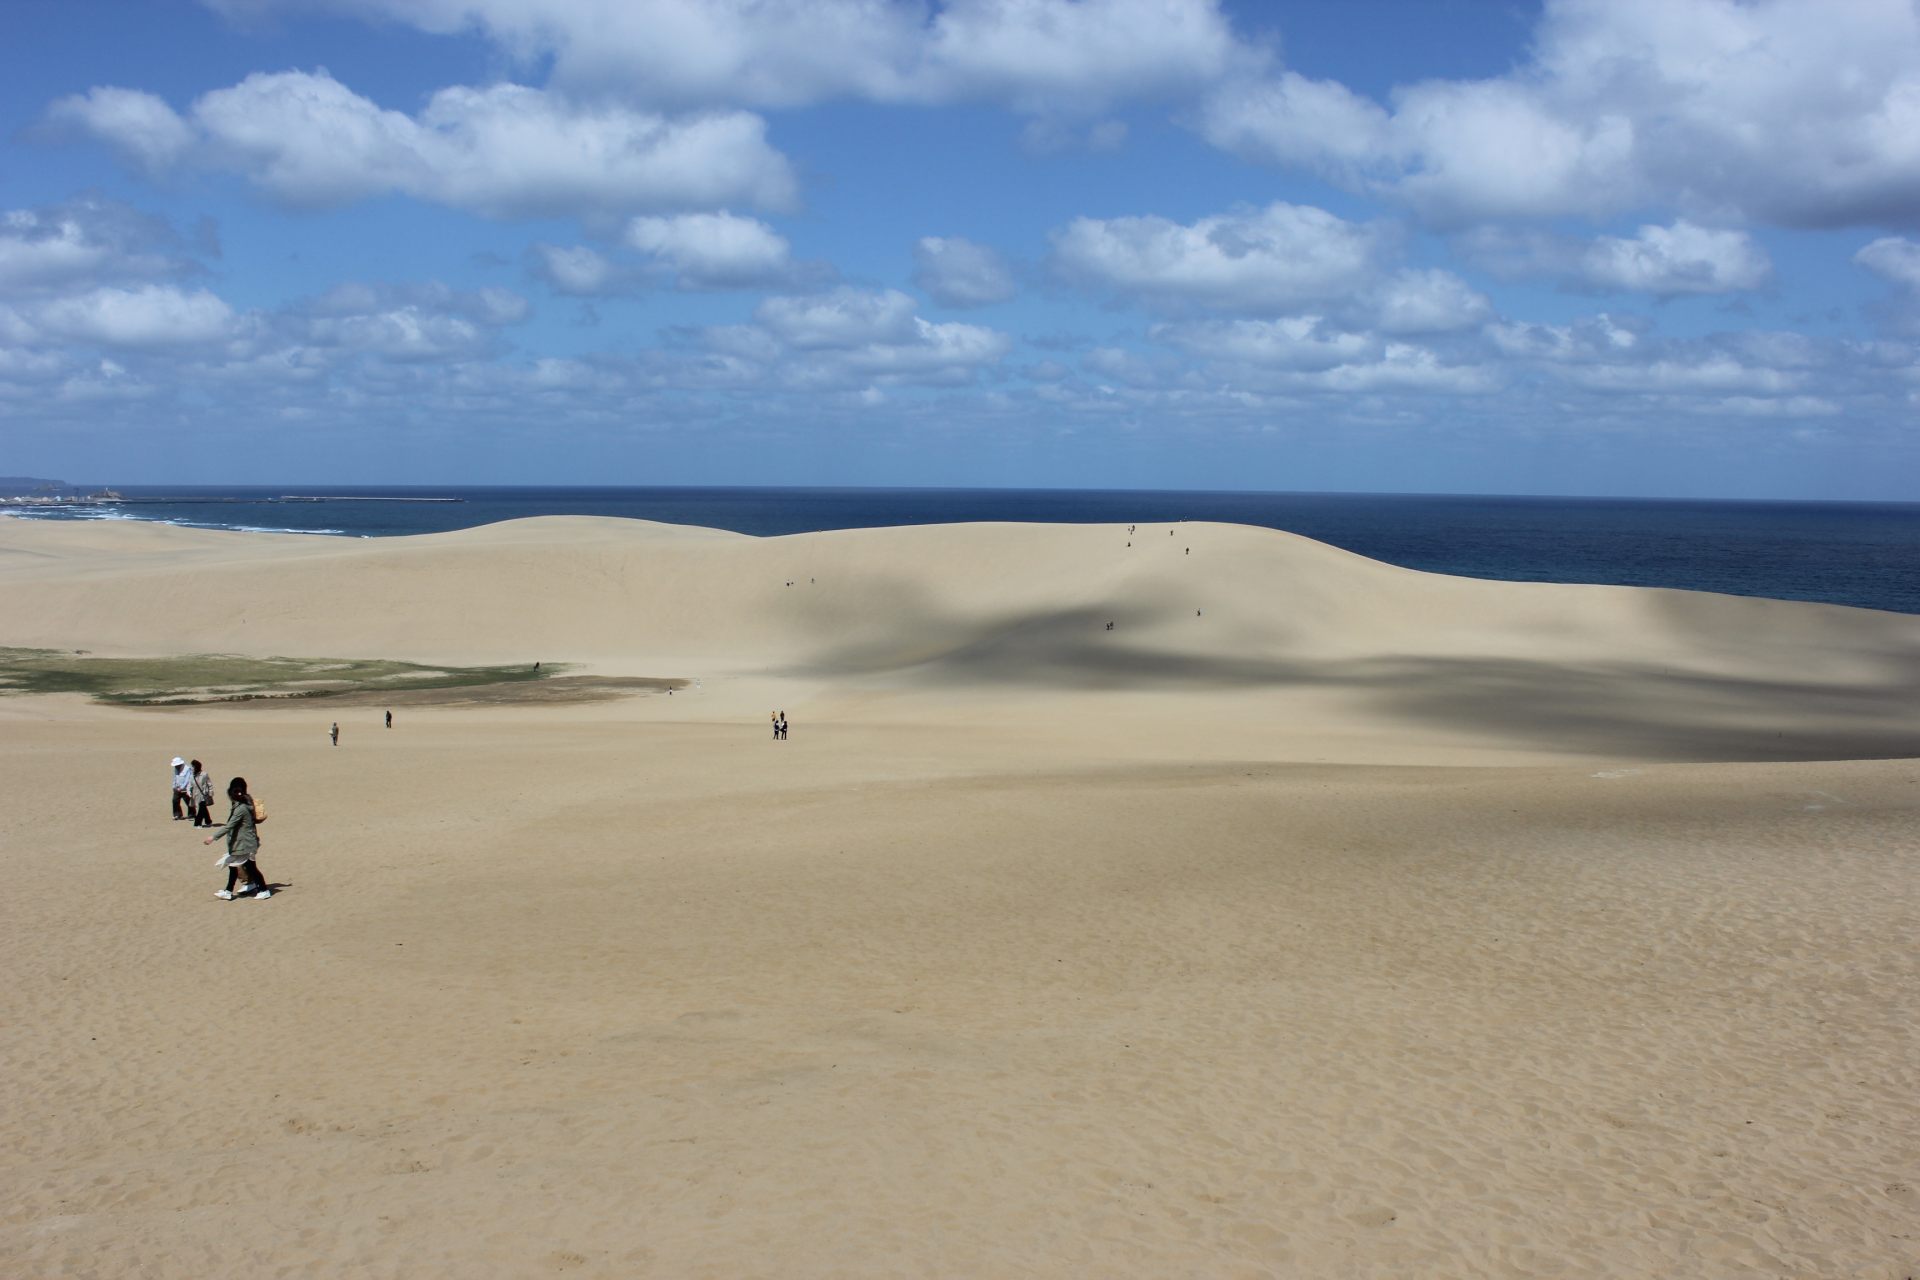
[1663, 248]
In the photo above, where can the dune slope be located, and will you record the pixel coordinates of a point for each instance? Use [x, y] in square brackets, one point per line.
[1244, 616]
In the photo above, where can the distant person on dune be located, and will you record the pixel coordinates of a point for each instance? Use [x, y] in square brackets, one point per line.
[243, 845]
[389, 719]
[334, 733]
[780, 727]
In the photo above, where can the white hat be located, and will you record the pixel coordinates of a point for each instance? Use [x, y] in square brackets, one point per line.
[177, 762]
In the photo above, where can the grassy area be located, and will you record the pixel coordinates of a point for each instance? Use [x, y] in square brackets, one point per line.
[196, 679]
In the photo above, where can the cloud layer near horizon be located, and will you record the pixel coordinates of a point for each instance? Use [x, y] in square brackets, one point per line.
[1605, 239]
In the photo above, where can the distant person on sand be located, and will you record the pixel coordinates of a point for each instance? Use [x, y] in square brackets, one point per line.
[202, 796]
[389, 719]
[182, 798]
[773, 718]
[780, 727]
[243, 845]
[334, 733]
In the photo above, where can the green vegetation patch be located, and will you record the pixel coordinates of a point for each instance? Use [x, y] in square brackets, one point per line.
[198, 679]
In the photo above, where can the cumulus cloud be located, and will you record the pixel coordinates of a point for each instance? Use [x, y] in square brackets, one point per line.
[405, 323]
[140, 126]
[1269, 259]
[577, 270]
[1040, 56]
[1711, 372]
[956, 272]
[1681, 259]
[686, 251]
[713, 250]
[1751, 374]
[143, 316]
[1720, 109]
[843, 339]
[86, 240]
[505, 150]
[1428, 301]
[1893, 257]
[1296, 342]
[845, 317]
[1675, 260]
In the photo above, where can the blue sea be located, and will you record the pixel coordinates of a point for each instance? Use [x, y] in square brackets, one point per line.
[1865, 554]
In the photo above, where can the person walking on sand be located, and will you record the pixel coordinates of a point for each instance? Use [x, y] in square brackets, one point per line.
[243, 845]
[780, 729]
[389, 717]
[202, 796]
[182, 797]
[334, 733]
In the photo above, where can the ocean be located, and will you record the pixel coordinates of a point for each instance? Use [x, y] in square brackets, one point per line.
[1863, 554]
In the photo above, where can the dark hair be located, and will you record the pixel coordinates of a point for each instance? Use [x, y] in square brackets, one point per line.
[196, 766]
[237, 792]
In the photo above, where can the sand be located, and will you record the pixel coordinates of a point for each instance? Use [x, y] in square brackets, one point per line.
[1364, 923]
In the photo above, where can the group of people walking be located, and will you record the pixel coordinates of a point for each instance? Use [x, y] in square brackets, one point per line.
[779, 726]
[193, 793]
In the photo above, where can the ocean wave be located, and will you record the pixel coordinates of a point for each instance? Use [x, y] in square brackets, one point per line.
[178, 522]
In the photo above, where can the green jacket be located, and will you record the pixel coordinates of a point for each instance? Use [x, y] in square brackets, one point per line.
[243, 838]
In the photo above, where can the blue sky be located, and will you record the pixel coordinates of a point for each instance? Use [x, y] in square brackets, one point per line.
[1635, 247]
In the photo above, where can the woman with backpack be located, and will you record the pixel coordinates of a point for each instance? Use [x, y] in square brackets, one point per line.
[243, 844]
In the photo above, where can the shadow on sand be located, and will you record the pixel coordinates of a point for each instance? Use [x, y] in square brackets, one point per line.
[1605, 708]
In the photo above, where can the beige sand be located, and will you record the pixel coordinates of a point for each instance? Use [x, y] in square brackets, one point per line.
[1366, 924]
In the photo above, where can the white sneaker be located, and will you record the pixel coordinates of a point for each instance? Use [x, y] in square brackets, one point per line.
[264, 893]
[226, 894]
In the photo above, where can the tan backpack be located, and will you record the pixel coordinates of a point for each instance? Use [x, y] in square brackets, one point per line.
[259, 811]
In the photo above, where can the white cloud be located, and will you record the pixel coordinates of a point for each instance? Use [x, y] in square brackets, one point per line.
[1429, 301]
[1795, 113]
[1404, 367]
[405, 323]
[1040, 56]
[1290, 119]
[576, 270]
[87, 240]
[845, 317]
[506, 150]
[1894, 257]
[142, 127]
[943, 352]
[1713, 372]
[1127, 368]
[713, 250]
[1663, 261]
[1270, 259]
[145, 316]
[1296, 342]
[956, 272]
[1776, 407]
[1680, 259]
[846, 339]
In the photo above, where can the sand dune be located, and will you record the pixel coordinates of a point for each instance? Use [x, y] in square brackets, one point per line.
[1367, 924]
[1251, 617]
